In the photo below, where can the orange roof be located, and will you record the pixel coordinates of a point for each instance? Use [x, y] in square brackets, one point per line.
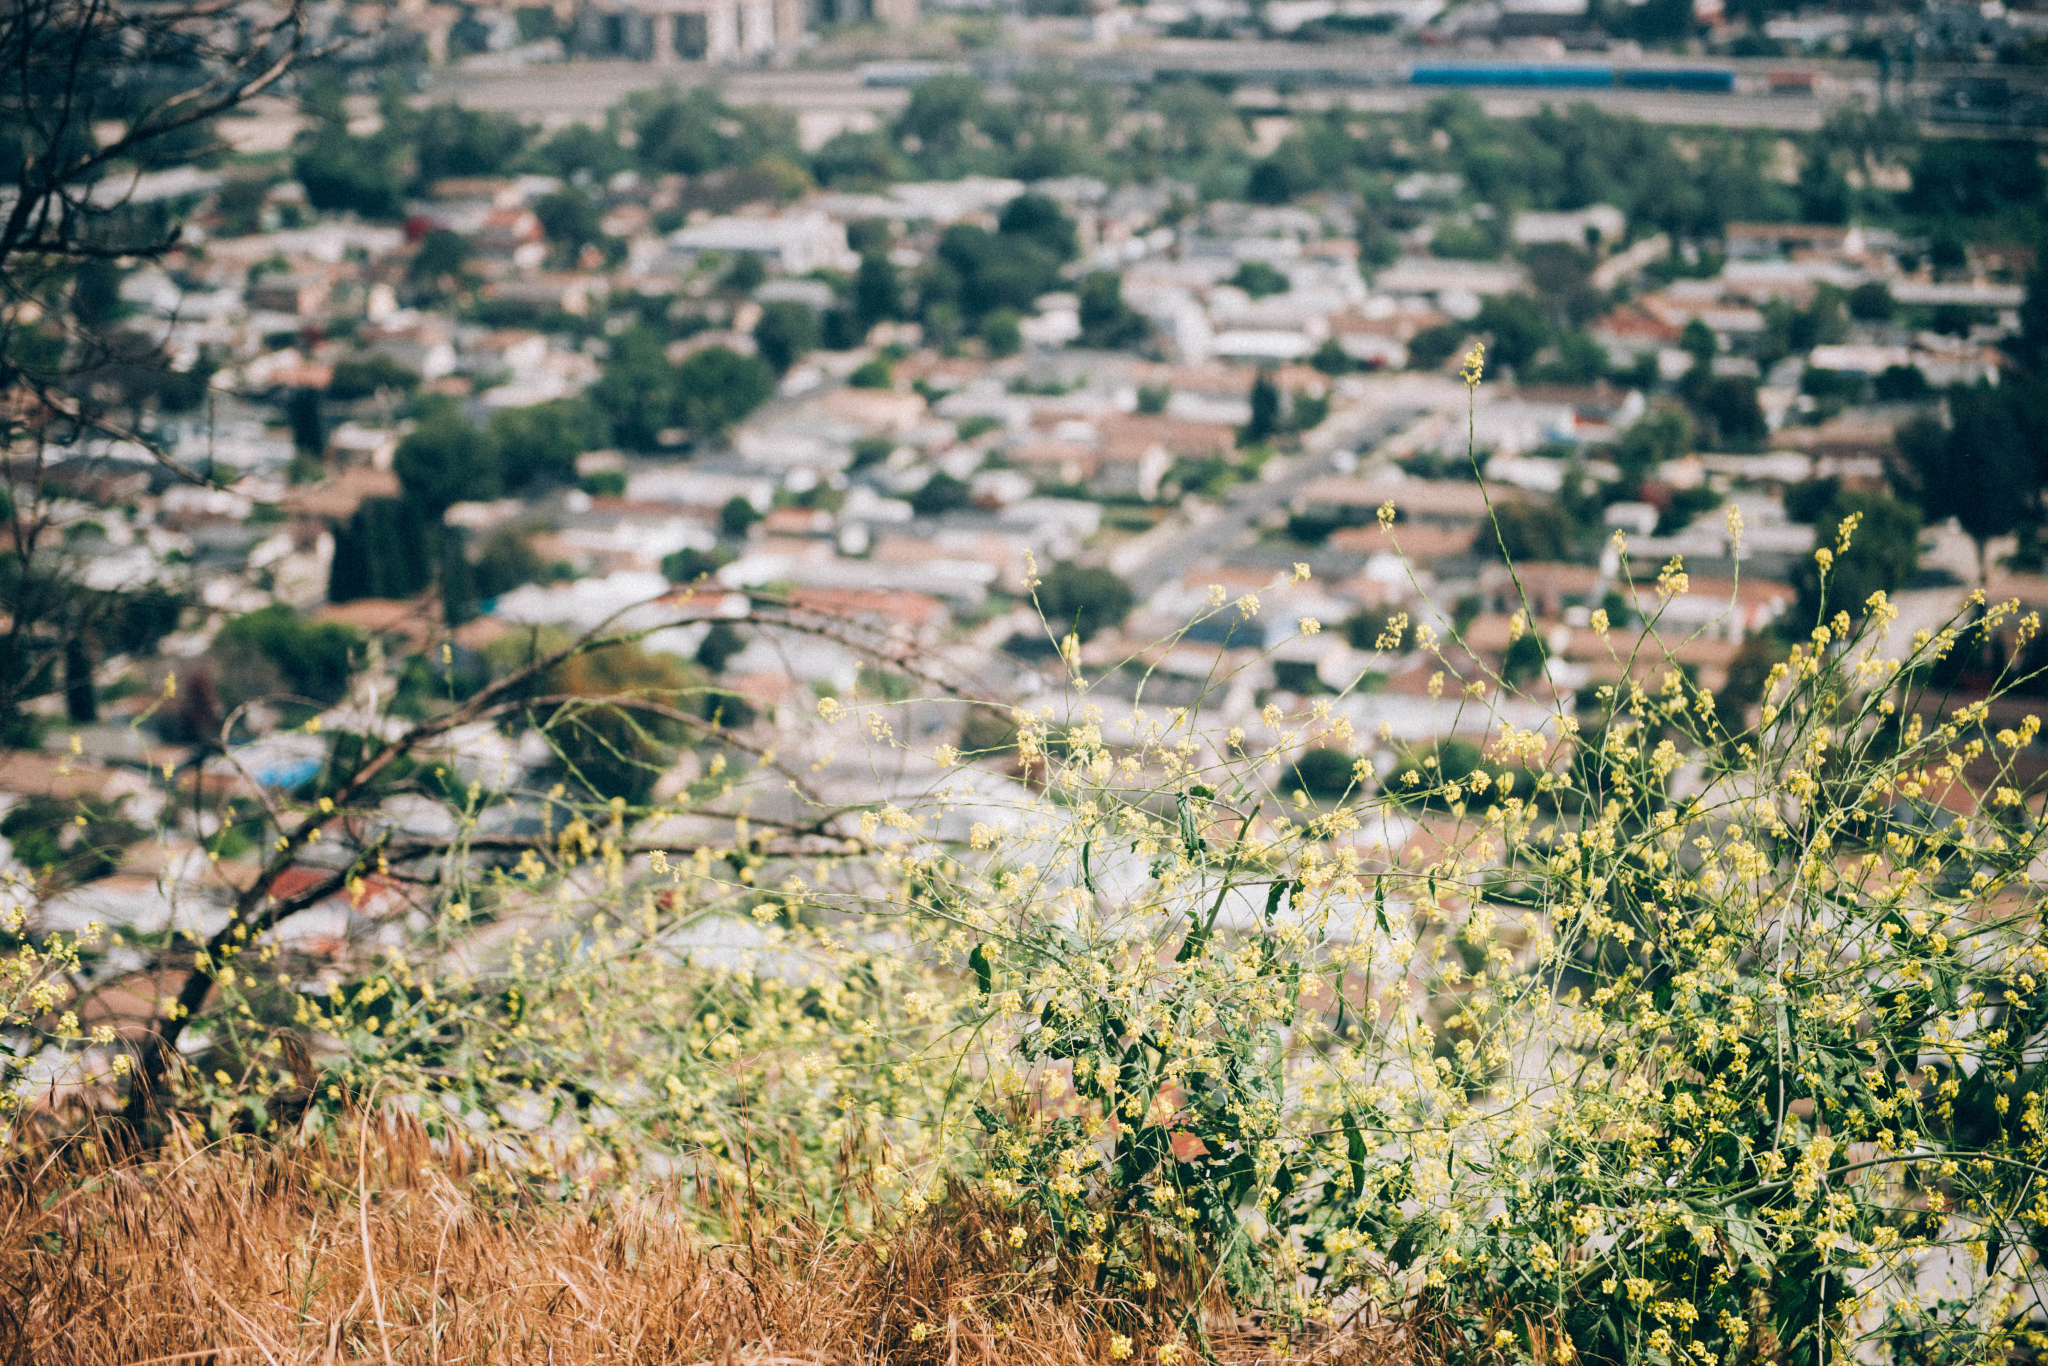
[905, 608]
[1127, 436]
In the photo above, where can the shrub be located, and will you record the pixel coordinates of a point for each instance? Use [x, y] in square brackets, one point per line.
[619, 728]
[1525, 531]
[354, 379]
[313, 660]
[1326, 774]
[941, 493]
[1083, 599]
[876, 373]
[788, 330]
[1259, 279]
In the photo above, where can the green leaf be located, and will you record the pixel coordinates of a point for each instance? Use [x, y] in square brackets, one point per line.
[1743, 1236]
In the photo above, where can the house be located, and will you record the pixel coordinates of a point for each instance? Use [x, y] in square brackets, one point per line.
[1452, 503]
[1632, 331]
[512, 234]
[1547, 589]
[1689, 299]
[795, 243]
[351, 443]
[1771, 241]
[337, 499]
[548, 291]
[300, 293]
[422, 344]
[1629, 263]
[1588, 227]
[703, 490]
[1716, 608]
[876, 410]
[505, 352]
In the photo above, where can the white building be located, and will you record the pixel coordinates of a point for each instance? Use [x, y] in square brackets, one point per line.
[665, 31]
[797, 243]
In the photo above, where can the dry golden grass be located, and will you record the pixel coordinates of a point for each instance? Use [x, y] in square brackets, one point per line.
[220, 1255]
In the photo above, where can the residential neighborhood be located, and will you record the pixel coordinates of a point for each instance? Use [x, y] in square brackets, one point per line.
[1244, 397]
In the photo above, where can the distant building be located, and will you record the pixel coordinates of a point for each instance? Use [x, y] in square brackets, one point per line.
[664, 31]
[714, 30]
[795, 243]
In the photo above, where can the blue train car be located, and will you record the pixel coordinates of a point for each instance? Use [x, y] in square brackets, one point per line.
[1699, 80]
[1546, 75]
[1703, 80]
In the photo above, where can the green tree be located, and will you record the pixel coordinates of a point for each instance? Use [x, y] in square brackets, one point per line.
[96, 295]
[736, 516]
[570, 219]
[877, 292]
[1036, 218]
[941, 493]
[2030, 347]
[719, 645]
[976, 270]
[746, 275]
[1083, 599]
[638, 387]
[1806, 500]
[1265, 418]
[716, 387]
[1107, 322]
[1872, 303]
[445, 460]
[360, 377]
[1280, 177]
[1259, 279]
[1728, 409]
[786, 332]
[1000, 334]
[579, 147]
[441, 265]
[1665, 433]
[1327, 775]
[506, 560]
[1521, 531]
[537, 445]
[688, 565]
[942, 113]
[622, 732]
[309, 429]
[1980, 470]
[1524, 659]
[1432, 346]
[857, 161]
[1698, 341]
[1517, 326]
[386, 550]
[1823, 190]
[344, 174]
[873, 373]
[1882, 555]
[452, 141]
[314, 660]
[696, 131]
[1971, 178]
